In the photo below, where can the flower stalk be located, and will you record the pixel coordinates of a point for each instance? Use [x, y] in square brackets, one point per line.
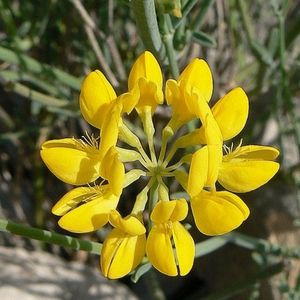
[50, 237]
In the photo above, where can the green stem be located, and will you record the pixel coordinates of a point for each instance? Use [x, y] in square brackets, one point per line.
[142, 197]
[171, 153]
[205, 5]
[163, 191]
[152, 199]
[168, 36]
[146, 21]
[185, 159]
[185, 11]
[149, 129]
[168, 131]
[50, 237]
[127, 136]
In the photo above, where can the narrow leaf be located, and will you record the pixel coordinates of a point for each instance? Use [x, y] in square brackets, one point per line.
[204, 39]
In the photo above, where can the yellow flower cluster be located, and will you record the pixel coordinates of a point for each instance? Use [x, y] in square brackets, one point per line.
[97, 167]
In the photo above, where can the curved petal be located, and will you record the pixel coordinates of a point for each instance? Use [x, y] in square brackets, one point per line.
[95, 97]
[130, 224]
[174, 210]
[211, 128]
[162, 211]
[110, 128]
[150, 95]
[231, 113]
[180, 210]
[146, 77]
[243, 176]
[121, 254]
[176, 99]
[185, 248]
[198, 172]
[215, 214]
[89, 216]
[129, 100]
[146, 66]
[73, 198]
[214, 163]
[198, 75]
[235, 200]
[192, 138]
[113, 170]
[254, 152]
[71, 161]
[159, 250]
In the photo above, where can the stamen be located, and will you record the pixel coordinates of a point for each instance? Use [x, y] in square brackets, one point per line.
[90, 140]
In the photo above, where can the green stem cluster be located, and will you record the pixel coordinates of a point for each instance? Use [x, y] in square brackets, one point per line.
[50, 237]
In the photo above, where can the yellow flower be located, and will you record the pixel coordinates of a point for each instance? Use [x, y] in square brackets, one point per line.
[84, 162]
[124, 248]
[195, 78]
[214, 212]
[242, 170]
[71, 160]
[248, 167]
[230, 113]
[217, 213]
[145, 82]
[167, 230]
[98, 98]
[84, 209]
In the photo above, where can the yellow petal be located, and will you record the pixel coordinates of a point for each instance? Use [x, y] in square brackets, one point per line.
[176, 99]
[72, 199]
[213, 138]
[218, 213]
[150, 95]
[110, 128]
[198, 75]
[95, 97]
[112, 169]
[243, 176]
[185, 248]
[146, 66]
[71, 161]
[214, 163]
[121, 254]
[231, 113]
[89, 216]
[211, 128]
[145, 79]
[180, 210]
[192, 138]
[159, 250]
[130, 225]
[129, 100]
[198, 172]
[175, 210]
[254, 152]
[235, 200]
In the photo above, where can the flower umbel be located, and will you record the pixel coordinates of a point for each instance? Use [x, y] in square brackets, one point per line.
[100, 169]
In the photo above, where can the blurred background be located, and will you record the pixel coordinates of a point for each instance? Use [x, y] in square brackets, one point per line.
[48, 46]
